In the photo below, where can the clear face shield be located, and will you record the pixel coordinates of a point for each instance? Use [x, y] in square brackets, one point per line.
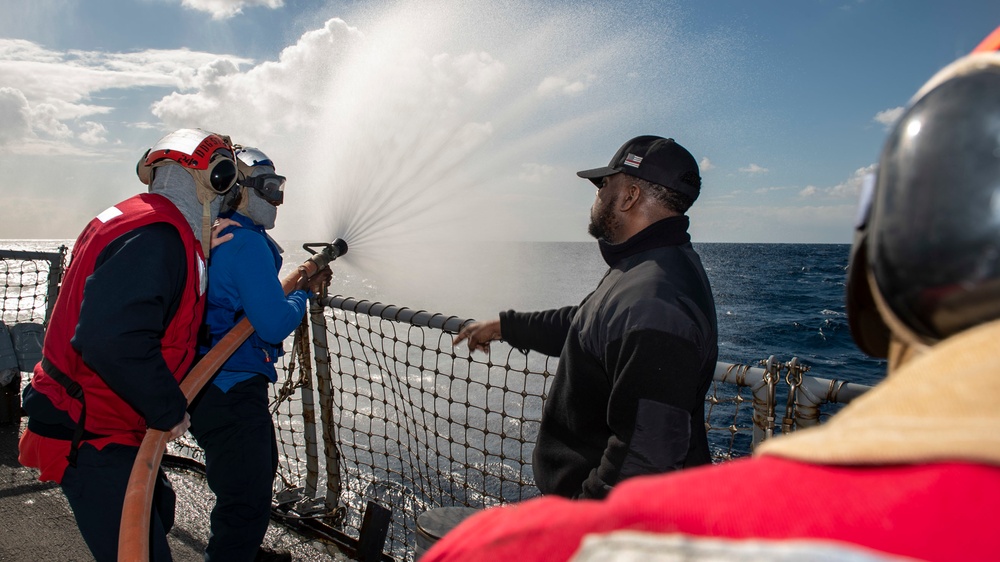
[269, 186]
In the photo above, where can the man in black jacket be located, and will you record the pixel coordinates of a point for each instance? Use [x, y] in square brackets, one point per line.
[637, 356]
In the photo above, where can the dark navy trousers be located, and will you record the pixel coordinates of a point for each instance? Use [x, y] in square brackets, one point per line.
[241, 459]
[95, 488]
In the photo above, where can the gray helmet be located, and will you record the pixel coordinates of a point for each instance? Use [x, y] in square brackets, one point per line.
[256, 172]
[929, 226]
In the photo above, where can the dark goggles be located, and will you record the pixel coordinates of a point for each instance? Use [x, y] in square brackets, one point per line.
[271, 187]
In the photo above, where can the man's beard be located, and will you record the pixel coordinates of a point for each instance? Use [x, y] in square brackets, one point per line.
[603, 225]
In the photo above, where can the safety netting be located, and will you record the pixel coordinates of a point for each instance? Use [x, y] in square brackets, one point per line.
[377, 412]
[409, 422]
[29, 282]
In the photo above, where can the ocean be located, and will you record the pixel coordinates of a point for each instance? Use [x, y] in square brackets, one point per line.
[785, 300]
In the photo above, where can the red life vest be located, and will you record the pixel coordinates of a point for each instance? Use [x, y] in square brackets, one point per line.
[939, 511]
[107, 413]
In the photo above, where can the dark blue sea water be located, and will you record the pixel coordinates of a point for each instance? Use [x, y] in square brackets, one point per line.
[785, 300]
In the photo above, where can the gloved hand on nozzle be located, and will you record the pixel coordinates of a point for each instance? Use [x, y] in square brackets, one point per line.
[316, 284]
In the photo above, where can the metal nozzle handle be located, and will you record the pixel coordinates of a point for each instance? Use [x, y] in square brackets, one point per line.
[328, 251]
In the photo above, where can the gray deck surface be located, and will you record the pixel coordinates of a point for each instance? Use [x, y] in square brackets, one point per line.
[38, 525]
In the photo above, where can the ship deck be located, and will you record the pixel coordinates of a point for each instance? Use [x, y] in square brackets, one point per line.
[39, 525]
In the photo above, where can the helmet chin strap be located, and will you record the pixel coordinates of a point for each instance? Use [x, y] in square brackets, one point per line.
[206, 229]
[187, 193]
[206, 196]
[904, 344]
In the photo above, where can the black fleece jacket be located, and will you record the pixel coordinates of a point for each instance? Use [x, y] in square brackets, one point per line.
[636, 359]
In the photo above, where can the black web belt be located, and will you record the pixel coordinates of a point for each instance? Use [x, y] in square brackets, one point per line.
[75, 391]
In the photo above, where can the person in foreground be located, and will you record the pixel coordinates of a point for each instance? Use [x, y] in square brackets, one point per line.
[122, 334]
[230, 417]
[637, 356]
[910, 469]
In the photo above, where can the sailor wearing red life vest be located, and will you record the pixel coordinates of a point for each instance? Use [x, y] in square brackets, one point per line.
[909, 470]
[122, 335]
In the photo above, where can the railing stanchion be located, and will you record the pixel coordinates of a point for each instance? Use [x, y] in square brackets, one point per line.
[325, 385]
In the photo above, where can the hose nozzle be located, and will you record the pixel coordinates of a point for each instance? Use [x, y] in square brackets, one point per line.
[339, 247]
[328, 251]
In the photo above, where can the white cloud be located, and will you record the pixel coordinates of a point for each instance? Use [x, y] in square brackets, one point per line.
[852, 187]
[68, 78]
[706, 165]
[380, 115]
[556, 85]
[395, 130]
[763, 190]
[481, 71]
[889, 117]
[535, 173]
[93, 133]
[15, 119]
[222, 9]
[848, 189]
[754, 169]
[283, 95]
[56, 99]
[45, 119]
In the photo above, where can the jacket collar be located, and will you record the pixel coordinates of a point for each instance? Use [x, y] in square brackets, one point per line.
[671, 231]
[244, 221]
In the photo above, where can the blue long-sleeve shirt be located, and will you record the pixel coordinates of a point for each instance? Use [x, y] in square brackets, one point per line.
[243, 280]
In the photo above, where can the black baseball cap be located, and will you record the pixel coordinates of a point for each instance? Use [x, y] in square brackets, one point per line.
[654, 159]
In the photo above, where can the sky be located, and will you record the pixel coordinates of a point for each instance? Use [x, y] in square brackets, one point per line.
[449, 123]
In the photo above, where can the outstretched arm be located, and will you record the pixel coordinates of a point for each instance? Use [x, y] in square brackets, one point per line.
[250, 268]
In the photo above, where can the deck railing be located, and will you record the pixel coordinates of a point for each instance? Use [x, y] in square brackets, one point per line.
[407, 422]
[29, 282]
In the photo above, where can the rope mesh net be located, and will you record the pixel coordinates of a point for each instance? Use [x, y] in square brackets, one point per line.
[27, 280]
[374, 404]
[420, 425]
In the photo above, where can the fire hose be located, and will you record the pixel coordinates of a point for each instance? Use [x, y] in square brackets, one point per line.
[133, 538]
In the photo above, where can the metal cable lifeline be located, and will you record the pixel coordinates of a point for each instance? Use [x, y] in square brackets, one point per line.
[410, 423]
[406, 422]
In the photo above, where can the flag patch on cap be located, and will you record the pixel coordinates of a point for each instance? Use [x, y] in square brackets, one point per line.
[632, 160]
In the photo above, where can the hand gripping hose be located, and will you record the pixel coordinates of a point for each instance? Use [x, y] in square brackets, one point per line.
[133, 538]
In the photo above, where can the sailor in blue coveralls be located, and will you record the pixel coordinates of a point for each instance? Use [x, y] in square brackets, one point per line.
[230, 418]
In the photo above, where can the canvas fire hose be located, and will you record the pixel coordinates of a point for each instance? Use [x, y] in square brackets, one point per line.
[133, 538]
